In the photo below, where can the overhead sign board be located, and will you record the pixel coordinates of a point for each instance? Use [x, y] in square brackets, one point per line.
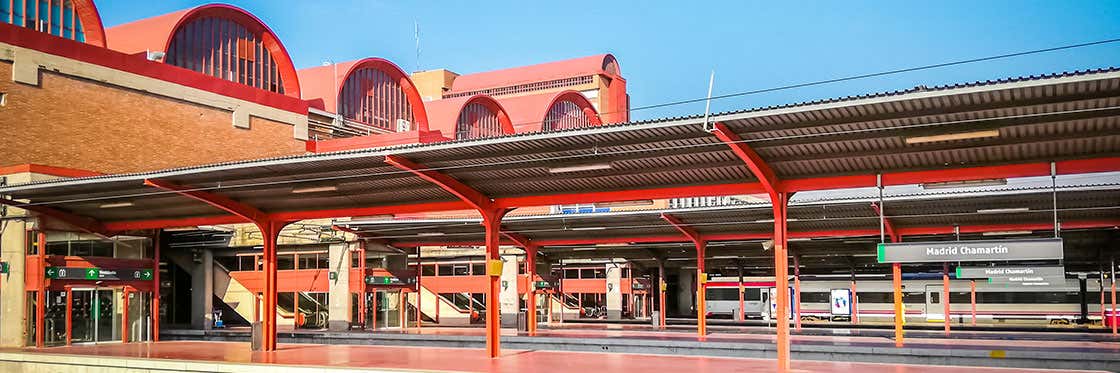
[1010, 271]
[1029, 280]
[388, 280]
[971, 251]
[99, 274]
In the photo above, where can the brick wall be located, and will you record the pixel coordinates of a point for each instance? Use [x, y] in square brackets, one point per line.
[76, 123]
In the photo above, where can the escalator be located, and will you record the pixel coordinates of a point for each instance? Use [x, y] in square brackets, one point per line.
[452, 309]
[313, 311]
[565, 306]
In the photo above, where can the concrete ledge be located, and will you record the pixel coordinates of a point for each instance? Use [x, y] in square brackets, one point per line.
[914, 354]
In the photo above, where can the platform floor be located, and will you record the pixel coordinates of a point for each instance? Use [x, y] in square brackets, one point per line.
[224, 354]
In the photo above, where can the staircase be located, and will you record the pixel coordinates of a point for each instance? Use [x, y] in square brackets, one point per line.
[448, 312]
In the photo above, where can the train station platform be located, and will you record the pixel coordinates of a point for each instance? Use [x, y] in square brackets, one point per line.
[972, 349]
[198, 356]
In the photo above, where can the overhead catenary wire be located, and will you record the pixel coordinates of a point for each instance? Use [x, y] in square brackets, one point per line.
[657, 149]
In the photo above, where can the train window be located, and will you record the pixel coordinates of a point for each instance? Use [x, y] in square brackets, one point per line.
[723, 294]
[814, 297]
[888, 297]
[934, 298]
[753, 295]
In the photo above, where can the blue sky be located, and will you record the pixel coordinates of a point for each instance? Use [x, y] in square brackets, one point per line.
[667, 49]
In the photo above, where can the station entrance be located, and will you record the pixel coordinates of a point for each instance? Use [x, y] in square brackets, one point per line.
[97, 315]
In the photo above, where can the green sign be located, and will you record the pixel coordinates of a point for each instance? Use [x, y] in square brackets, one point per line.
[542, 285]
[3, 267]
[385, 280]
[79, 273]
[332, 275]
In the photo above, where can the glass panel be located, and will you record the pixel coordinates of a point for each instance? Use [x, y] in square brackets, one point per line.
[427, 270]
[106, 316]
[58, 248]
[247, 263]
[138, 316]
[478, 269]
[446, 270]
[323, 261]
[285, 261]
[388, 309]
[31, 309]
[55, 318]
[82, 312]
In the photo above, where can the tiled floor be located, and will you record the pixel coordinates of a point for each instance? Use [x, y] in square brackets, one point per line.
[470, 360]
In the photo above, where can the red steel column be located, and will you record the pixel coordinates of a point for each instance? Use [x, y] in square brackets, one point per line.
[662, 286]
[797, 292]
[420, 292]
[972, 291]
[781, 279]
[491, 222]
[855, 303]
[701, 291]
[155, 285]
[945, 294]
[362, 288]
[41, 296]
[531, 270]
[124, 317]
[1112, 314]
[899, 312]
[69, 319]
[270, 232]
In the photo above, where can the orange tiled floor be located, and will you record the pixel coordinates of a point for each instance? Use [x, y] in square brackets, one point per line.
[473, 360]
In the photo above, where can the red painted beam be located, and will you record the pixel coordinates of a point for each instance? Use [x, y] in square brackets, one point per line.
[250, 213]
[83, 223]
[755, 163]
[448, 183]
[121, 226]
[520, 240]
[887, 226]
[685, 229]
[368, 211]
[1083, 224]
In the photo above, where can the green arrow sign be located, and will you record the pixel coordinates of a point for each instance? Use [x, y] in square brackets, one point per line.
[145, 274]
[52, 272]
[92, 273]
[4, 267]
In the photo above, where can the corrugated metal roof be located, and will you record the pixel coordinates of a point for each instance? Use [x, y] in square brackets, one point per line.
[798, 140]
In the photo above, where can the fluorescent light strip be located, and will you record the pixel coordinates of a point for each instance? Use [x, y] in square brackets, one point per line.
[430, 234]
[1002, 211]
[580, 168]
[116, 205]
[952, 137]
[965, 184]
[329, 188]
[587, 228]
[1006, 233]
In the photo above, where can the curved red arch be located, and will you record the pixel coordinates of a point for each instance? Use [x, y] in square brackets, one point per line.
[92, 27]
[286, 69]
[609, 61]
[420, 114]
[490, 104]
[576, 98]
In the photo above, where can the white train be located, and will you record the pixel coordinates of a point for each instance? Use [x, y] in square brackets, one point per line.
[1058, 304]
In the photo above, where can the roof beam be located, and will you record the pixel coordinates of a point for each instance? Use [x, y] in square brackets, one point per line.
[84, 223]
[887, 225]
[686, 230]
[519, 239]
[250, 213]
[465, 193]
[755, 163]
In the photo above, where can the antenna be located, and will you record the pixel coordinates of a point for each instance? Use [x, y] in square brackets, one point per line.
[708, 102]
[417, 45]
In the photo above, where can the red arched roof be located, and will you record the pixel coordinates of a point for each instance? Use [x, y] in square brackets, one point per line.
[91, 22]
[320, 83]
[583, 66]
[156, 33]
[529, 112]
[443, 115]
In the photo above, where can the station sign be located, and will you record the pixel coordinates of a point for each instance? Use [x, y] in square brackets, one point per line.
[971, 251]
[542, 285]
[1028, 281]
[99, 274]
[1010, 271]
[388, 280]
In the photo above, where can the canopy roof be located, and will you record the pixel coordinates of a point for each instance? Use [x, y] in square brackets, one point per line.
[994, 129]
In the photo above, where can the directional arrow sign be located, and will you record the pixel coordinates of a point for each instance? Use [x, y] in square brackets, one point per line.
[145, 274]
[52, 272]
[92, 273]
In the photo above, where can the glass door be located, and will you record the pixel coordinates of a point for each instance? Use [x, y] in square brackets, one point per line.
[139, 322]
[934, 311]
[388, 308]
[96, 315]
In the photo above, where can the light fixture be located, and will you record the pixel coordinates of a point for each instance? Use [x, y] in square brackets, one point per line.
[430, 234]
[952, 137]
[619, 244]
[580, 168]
[317, 189]
[772, 220]
[587, 228]
[1005, 233]
[798, 239]
[583, 249]
[116, 205]
[964, 184]
[640, 202]
[1002, 211]
[724, 257]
